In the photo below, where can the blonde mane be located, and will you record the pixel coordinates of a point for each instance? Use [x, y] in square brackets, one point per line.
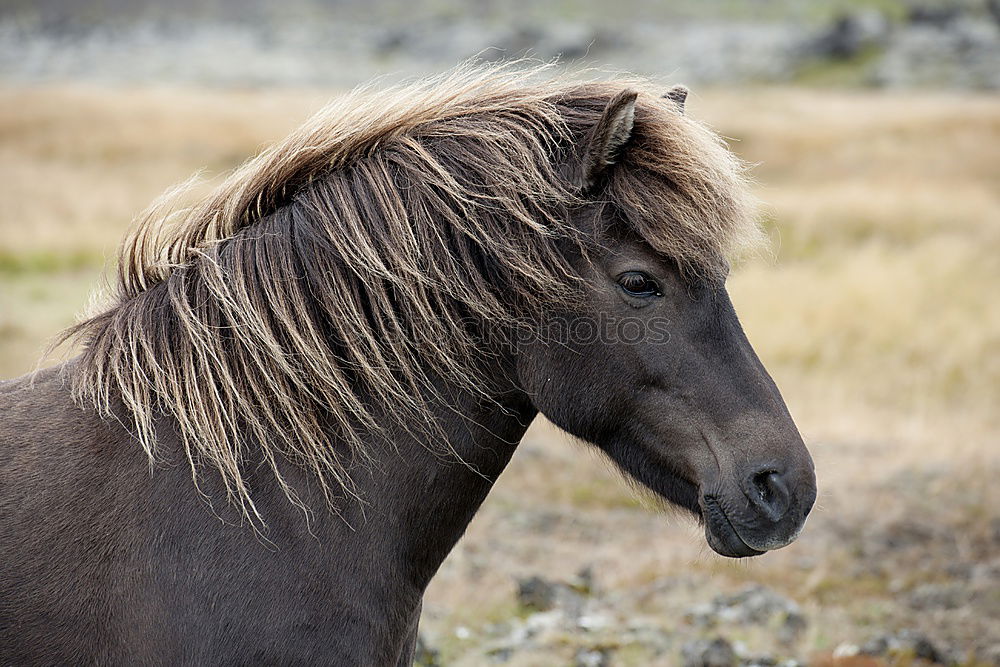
[338, 269]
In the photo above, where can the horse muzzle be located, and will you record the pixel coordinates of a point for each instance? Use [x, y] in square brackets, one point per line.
[765, 510]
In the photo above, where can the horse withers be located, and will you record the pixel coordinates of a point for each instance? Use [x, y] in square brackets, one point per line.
[304, 386]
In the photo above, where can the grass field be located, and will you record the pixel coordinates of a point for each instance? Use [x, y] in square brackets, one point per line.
[876, 311]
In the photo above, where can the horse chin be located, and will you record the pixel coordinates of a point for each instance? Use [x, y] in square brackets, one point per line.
[720, 532]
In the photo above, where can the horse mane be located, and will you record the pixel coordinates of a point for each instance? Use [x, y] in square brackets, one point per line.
[339, 269]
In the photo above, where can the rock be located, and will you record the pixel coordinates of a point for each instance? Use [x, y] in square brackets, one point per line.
[939, 15]
[544, 621]
[536, 593]
[905, 534]
[500, 653]
[583, 582]
[567, 41]
[538, 628]
[564, 40]
[539, 594]
[937, 45]
[591, 657]
[991, 654]
[792, 626]
[938, 596]
[768, 661]
[985, 573]
[851, 34]
[424, 655]
[595, 621]
[905, 643]
[964, 53]
[649, 633]
[993, 7]
[755, 605]
[716, 652]
[702, 615]
[846, 650]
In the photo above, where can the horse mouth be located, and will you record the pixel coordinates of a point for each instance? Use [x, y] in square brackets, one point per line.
[720, 533]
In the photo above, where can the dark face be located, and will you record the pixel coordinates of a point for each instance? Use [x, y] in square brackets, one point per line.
[657, 372]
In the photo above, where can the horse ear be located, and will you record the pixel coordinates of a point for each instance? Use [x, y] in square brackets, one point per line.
[677, 95]
[605, 141]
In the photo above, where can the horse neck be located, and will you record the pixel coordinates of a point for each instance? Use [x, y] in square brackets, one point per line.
[419, 497]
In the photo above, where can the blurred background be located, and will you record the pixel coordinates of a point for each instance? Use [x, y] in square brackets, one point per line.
[874, 126]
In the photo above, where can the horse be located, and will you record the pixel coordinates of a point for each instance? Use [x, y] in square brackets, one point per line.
[301, 388]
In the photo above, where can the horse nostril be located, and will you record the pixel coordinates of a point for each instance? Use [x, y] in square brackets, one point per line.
[762, 484]
[769, 493]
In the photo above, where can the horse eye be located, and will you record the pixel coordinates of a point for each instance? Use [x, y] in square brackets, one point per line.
[637, 283]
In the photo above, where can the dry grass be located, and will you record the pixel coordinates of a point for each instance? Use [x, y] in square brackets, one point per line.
[79, 163]
[877, 315]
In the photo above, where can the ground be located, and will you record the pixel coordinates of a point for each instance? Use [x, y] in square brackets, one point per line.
[874, 309]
